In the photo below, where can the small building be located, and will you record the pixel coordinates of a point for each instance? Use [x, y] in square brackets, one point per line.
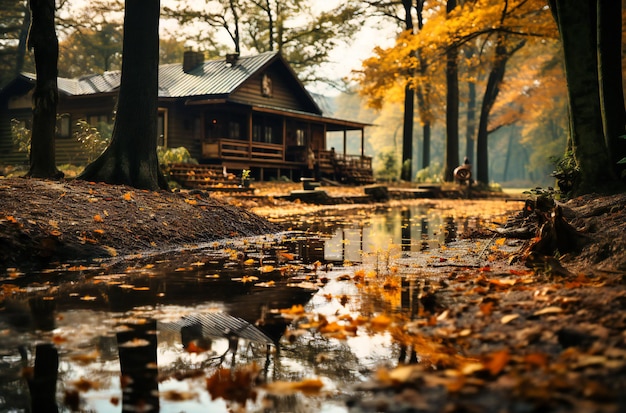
[236, 113]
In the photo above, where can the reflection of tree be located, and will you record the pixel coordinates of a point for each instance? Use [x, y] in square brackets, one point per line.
[138, 363]
[43, 383]
[320, 356]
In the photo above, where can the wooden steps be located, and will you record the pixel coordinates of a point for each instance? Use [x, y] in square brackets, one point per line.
[206, 177]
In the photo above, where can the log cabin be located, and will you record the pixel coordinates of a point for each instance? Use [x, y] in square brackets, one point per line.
[234, 113]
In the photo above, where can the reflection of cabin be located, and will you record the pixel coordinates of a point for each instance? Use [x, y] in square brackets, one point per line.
[238, 113]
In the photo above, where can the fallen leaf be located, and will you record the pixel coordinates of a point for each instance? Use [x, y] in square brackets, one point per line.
[307, 386]
[508, 318]
[548, 310]
[497, 361]
[98, 218]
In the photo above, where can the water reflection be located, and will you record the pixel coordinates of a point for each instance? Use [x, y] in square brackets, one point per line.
[146, 335]
[411, 228]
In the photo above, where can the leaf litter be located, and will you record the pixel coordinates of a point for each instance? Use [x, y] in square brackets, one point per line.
[475, 334]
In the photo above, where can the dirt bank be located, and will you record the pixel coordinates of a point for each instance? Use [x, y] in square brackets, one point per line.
[42, 222]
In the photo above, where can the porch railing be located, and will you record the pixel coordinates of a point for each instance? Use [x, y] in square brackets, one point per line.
[233, 149]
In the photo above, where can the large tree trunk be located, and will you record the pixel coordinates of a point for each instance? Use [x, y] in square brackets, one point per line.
[409, 110]
[131, 158]
[502, 56]
[43, 39]
[577, 21]
[610, 77]
[451, 160]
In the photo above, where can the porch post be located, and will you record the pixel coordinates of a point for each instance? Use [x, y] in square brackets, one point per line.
[250, 135]
[345, 139]
[284, 139]
[362, 146]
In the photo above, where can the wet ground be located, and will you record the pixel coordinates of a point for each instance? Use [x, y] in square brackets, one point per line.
[347, 309]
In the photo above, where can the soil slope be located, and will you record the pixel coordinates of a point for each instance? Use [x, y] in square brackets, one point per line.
[42, 222]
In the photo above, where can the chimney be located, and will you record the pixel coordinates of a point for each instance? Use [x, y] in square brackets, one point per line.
[191, 60]
[231, 59]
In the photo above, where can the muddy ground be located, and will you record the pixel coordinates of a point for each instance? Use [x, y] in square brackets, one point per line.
[547, 338]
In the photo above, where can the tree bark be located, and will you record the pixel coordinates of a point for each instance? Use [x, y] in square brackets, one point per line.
[131, 157]
[407, 134]
[452, 110]
[43, 40]
[577, 23]
[610, 78]
[496, 75]
[409, 110]
[471, 121]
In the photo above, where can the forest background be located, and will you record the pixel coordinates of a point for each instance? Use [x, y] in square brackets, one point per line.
[527, 120]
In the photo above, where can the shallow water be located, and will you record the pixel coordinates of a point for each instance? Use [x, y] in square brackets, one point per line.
[172, 321]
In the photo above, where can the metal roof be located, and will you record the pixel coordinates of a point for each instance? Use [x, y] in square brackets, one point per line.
[213, 77]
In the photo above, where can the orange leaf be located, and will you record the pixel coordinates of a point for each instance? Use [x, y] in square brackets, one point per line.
[98, 218]
[497, 361]
[380, 322]
[486, 308]
[128, 196]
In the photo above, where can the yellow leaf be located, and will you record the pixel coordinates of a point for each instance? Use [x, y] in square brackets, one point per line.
[308, 386]
[266, 268]
[249, 261]
[500, 241]
[191, 201]
[508, 318]
[112, 251]
[548, 310]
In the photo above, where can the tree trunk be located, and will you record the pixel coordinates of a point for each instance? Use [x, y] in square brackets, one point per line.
[131, 157]
[502, 56]
[406, 169]
[577, 26]
[452, 110]
[21, 46]
[471, 121]
[43, 40]
[407, 134]
[610, 78]
[426, 145]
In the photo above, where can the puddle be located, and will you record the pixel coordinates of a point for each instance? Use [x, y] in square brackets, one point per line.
[204, 327]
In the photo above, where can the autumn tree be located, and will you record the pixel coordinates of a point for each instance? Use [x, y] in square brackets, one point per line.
[407, 15]
[131, 156]
[451, 160]
[42, 39]
[591, 59]
[91, 50]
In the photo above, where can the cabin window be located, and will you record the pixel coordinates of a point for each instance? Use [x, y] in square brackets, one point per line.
[268, 134]
[300, 137]
[234, 130]
[97, 120]
[257, 133]
[64, 126]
